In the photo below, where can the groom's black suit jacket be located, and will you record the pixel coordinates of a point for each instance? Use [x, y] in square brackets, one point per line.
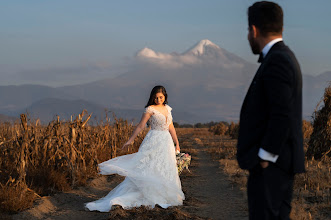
[271, 114]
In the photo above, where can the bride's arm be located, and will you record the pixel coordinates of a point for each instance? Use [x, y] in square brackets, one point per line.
[138, 129]
[174, 136]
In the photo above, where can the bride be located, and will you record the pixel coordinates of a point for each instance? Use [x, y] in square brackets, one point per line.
[151, 173]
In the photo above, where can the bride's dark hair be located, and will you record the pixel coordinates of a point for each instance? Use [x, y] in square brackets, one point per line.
[152, 97]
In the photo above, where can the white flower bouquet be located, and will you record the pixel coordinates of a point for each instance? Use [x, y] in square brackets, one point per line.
[183, 161]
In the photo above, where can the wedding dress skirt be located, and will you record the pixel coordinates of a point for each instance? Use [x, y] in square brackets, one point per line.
[151, 176]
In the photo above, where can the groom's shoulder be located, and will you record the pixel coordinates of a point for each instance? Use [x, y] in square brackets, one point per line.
[281, 48]
[283, 58]
[282, 52]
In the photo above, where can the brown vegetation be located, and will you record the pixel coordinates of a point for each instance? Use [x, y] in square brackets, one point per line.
[142, 213]
[320, 140]
[312, 190]
[307, 129]
[39, 160]
[233, 130]
[219, 129]
[223, 128]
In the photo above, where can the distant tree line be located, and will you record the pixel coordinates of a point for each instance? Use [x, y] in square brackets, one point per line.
[198, 125]
[218, 128]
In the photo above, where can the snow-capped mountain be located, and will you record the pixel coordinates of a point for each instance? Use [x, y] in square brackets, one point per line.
[204, 51]
[149, 53]
[207, 75]
[201, 47]
[204, 83]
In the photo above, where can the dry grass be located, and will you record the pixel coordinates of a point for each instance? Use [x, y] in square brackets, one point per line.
[224, 150]
[184, 133]
[312, 190]
[39, 160]
[143, 213]
[15, 197]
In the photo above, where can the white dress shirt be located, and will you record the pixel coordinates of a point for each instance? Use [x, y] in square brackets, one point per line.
[267, 47]
[263, 154]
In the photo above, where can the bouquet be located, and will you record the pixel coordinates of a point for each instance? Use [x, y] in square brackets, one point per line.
[183, 161]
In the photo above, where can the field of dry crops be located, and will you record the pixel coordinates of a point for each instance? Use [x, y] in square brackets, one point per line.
[40, 160]
[205, 197]
[37, 160]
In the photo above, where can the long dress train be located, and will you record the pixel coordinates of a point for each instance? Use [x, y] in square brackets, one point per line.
[151, 173]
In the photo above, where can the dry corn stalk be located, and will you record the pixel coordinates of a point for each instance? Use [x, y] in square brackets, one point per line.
[67, 151]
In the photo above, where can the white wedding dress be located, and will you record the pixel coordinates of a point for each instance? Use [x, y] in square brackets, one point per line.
[151, 173]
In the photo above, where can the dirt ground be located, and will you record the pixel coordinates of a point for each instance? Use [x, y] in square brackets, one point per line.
[209, 194]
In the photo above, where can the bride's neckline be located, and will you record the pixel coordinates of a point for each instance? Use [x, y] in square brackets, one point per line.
[166, 116]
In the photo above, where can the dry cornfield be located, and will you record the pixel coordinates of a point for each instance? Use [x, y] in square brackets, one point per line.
[37, 160]
[320, 139]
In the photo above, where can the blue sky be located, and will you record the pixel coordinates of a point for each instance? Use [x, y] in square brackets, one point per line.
[39, 37]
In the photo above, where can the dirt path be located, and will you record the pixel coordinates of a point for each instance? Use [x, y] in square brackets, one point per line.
[219, 198]
[209, 194]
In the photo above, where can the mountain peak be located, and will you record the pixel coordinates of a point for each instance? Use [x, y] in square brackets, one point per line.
[149, 53]
[199, 48]
[146, 52]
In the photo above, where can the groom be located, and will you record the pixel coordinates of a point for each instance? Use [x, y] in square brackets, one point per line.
[270, 141]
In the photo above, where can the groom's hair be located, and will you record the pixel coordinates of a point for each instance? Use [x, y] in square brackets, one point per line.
[267, 17]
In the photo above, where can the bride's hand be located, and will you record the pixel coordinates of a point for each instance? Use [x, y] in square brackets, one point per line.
[126, 145]
[177, 148]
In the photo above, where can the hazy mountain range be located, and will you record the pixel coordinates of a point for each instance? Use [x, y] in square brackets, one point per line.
[204, 83]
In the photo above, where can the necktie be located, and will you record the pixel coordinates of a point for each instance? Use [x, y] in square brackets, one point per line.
[260, 58]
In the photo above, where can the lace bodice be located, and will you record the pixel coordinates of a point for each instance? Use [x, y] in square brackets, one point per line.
[158, 121]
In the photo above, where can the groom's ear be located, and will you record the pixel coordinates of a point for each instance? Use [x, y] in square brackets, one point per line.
[255, 31]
